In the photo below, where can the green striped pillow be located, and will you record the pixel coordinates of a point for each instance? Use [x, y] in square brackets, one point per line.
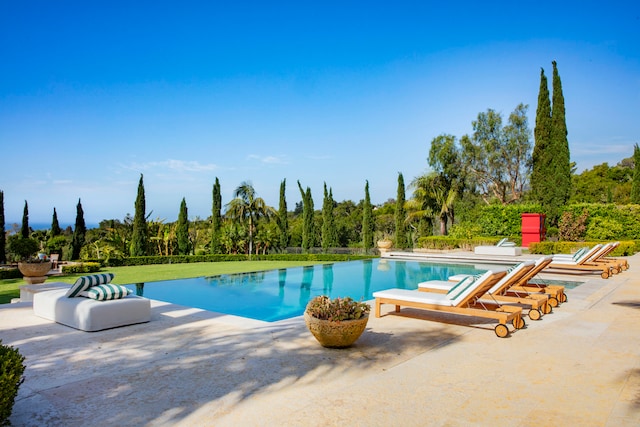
[106, 292]
[85, 282]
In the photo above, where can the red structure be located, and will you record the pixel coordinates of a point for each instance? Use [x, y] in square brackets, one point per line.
[533, 229]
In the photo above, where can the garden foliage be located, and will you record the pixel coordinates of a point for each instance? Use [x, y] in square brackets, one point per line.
[11, 370]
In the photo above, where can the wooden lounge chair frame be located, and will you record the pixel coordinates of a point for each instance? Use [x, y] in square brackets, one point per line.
[468, 302]
[617, 265]
[537, 302]
[555, 292]
[583, 264]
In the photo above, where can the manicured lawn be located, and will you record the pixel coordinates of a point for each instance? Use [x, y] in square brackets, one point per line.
[152, 273]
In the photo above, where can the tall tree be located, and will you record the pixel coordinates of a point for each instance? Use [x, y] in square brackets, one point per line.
[3, 236]
[432, 197]
[497, 158]
[55, 225]
[77, 241]
[367, 220]
[329, 231]
[635, 184]
[541, 157]
[283, 220]
[182, 231]
[561, 159]
[24, 230]
[140, 237]
[401, 241]
[216, 219]
[307, 218]
[246, 206]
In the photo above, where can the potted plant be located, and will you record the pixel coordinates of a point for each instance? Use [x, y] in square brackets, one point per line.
[33, 269]
[385, 243]
[336, 323]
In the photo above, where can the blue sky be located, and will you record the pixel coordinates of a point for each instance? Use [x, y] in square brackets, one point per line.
[93, 94]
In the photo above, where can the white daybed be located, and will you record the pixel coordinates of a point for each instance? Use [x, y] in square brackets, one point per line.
[68, 307]
[503, 247]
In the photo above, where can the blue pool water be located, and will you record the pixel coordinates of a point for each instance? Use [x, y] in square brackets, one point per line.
[282, 294]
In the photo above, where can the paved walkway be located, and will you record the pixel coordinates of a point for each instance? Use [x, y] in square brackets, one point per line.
[579, 365]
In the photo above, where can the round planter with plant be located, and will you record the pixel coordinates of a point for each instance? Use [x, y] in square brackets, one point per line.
[336, 323]
[33, 269]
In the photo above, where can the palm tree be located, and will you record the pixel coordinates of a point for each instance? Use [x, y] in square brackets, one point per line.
[247, 207]
[432, 196]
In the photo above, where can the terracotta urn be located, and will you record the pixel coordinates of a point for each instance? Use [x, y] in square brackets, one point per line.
[34, 272]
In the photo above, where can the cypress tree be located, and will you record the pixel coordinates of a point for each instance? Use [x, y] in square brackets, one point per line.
[24, 230]
[635, 184]
[307, 218]
[561, 159]
[77, 241]
[283, 220]
[3, 237]
[541, 157]
[55, 226]
[329, 232]
[401, 229]
[367, 221]
[140, 235]
[182, 232]
[216, 219]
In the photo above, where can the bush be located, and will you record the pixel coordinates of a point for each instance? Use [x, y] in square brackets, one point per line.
[604, 229]
[446, 242]
[11, 370]
[10, 273]
[499, 220]
[81, 268]
[573, 228]
[626, 248]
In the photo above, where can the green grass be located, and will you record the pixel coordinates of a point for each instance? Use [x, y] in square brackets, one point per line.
[10, 288]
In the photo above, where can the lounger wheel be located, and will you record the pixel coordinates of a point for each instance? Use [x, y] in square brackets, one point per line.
[534, 314]
[501, 331]
[553, 302]
[604, 275]
[563, 298]
[547, 309]
[518, 322]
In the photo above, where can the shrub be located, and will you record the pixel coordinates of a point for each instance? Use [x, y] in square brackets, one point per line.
[499, 220]
[573, 228]
[10, 273]
[604, 229]
[626, 248]
[11, 370]
[81, 268]
[338, 309]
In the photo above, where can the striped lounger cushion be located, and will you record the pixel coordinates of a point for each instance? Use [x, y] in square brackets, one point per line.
[106, 292]
[85, 282]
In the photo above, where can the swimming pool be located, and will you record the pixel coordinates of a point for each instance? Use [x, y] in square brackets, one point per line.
[281, 294]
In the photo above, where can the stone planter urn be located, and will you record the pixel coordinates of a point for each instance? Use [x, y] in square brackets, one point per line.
[384, 245]
[34, 272]
[334, 334]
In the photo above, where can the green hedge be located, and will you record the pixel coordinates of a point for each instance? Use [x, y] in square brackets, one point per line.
[626, 248]
[11, 370]
[181, 259]
[10, 273]
[499, 220]
[83, 267]
[609, 221]
[445, 242]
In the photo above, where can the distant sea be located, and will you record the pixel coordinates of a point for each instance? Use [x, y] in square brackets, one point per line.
[45, 225]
